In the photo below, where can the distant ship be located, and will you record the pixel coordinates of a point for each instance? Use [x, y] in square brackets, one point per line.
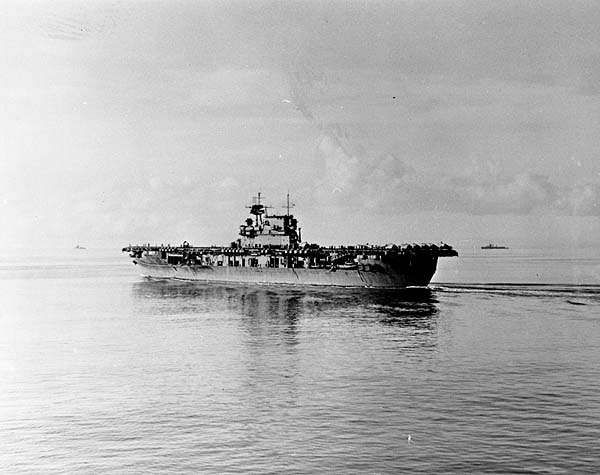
[493, 246]
[270, 251]
[79, 247]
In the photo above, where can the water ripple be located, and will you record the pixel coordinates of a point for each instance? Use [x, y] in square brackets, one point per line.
[115, 375]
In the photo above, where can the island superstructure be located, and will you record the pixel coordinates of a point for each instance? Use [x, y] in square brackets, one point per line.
[269, 250]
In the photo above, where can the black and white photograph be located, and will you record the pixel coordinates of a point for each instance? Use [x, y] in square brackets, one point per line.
[299, 237]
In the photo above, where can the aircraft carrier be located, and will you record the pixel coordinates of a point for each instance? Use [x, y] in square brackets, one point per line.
[269, 250]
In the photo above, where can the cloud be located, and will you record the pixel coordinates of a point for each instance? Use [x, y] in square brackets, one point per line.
[388, 185]
[580, 200]
[518, 194]
[130, 119]
[483, 147]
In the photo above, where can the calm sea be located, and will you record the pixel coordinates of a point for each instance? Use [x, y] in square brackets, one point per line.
[494, 369]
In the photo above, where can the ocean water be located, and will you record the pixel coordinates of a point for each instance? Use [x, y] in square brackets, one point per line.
[493, 369]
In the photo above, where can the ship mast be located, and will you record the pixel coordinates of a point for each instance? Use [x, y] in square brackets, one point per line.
[288, 204]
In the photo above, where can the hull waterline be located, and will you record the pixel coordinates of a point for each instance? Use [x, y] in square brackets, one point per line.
[369, 276]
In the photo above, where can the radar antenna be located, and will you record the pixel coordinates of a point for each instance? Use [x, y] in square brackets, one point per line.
[258, 209]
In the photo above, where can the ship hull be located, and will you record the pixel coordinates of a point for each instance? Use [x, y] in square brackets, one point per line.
[376, 275]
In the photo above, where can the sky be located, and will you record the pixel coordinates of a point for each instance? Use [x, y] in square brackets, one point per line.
[466, 122]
